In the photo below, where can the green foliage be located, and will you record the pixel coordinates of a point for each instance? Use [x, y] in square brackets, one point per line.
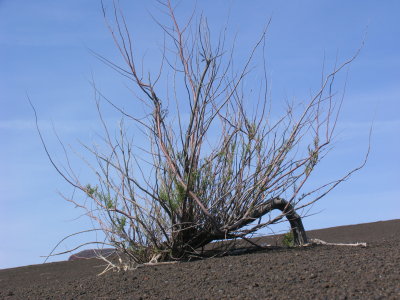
[288, 239]
[121, 223]
[173, 196]
[252, 131]
[314, 156]
[312, 161]
[109, 204]
[180, 193]
[91, 191]
[106, 199]
[163, 194]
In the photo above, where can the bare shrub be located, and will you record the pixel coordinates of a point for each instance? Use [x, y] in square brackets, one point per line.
[212, 168]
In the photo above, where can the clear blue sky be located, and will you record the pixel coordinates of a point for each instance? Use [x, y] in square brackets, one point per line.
[44, 52]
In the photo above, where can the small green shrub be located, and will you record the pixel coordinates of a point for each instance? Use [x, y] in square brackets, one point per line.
[288, 239]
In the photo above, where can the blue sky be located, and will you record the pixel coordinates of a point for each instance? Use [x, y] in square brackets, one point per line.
[44, 53]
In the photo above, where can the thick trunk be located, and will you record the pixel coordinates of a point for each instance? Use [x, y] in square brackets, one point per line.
[194, 240]
[299, 234]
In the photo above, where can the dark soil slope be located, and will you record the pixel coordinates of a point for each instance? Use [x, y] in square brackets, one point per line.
[316, 272]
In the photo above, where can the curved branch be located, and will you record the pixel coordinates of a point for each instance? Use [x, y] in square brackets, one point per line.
[287, 209]
[296, 224]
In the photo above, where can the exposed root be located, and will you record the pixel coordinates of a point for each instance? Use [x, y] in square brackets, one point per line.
[321, 242]
[130, 266]
[120, 266]
[123, 265]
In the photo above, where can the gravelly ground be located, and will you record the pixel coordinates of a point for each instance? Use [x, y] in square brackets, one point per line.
[317, 272]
